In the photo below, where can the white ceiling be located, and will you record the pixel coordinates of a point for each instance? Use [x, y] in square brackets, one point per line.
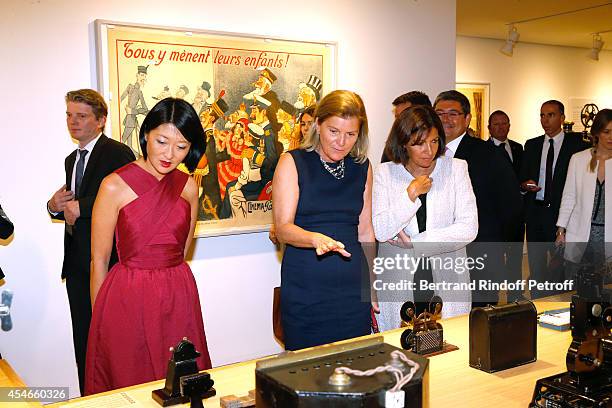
[488, 19]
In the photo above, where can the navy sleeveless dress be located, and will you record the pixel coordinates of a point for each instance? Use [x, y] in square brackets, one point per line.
[322, 297]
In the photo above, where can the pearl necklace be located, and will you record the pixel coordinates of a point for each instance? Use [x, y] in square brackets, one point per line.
[337, 172]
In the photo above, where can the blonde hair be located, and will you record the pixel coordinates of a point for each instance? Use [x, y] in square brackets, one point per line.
[343, 104]
[91, 98]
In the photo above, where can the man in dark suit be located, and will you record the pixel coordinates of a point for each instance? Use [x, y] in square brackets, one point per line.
[403, 102]
[542, 176]
[499, 127]
[96, 157]
[495, 186]
[6, 226]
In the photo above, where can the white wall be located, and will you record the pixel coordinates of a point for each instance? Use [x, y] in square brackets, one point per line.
[534, 74]
[385, 48]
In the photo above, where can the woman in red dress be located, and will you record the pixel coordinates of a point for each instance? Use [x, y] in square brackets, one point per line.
[149, 300]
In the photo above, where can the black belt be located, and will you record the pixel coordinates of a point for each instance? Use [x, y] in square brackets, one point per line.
[542, 203]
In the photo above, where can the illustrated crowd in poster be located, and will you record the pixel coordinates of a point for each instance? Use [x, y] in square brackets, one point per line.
[248, 101]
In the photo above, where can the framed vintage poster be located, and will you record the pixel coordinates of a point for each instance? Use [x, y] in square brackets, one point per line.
[478, 94]
[248, 90]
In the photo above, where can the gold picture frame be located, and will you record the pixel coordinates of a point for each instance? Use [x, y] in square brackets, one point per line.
[478, 93]
[138, 65]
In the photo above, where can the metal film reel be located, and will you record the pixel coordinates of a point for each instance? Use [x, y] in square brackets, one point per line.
[587, 114]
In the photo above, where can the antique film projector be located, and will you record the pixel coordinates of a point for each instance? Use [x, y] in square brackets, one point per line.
[426, 334]
[587, 115]
[588, 380]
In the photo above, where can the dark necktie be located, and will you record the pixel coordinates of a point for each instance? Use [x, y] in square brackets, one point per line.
[502, 146]
[550, 158]
[80, 169]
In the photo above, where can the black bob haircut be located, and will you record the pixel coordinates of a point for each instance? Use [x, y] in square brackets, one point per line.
[182, 115]
[411, 128]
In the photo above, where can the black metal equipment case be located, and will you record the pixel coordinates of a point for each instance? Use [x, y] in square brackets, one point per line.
[302, 379]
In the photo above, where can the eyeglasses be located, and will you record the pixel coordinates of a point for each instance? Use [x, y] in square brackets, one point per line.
[453, 114]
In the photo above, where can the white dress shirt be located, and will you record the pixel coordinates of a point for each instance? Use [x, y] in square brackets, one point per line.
[451, 147]
[89, 147]
[506, 146]
[557, 142]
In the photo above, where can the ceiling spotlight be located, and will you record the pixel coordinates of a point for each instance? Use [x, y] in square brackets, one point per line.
[513, 37]
[597, 46]
[507, 49]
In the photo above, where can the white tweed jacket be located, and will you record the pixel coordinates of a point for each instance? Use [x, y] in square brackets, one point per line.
[577, 206]
[452, 223]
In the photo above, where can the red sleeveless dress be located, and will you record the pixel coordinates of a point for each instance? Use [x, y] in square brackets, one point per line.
[149, 299]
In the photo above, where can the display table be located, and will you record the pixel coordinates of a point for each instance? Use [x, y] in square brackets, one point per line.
[452, 383]
[9, 379]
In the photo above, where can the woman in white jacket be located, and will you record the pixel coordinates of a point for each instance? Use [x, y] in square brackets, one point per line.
[424, 210]
[584, 223]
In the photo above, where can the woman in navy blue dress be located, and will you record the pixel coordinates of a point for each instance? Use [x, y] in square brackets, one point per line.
[323, 213]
